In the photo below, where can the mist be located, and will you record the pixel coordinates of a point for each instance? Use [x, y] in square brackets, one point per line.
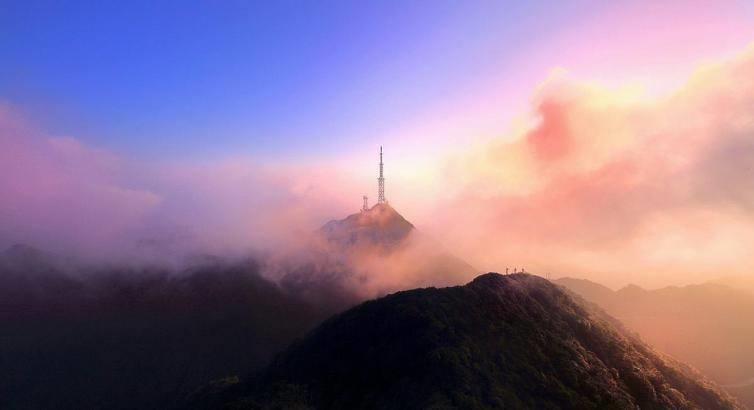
[65, 197]
[598, 182]
[614, 185]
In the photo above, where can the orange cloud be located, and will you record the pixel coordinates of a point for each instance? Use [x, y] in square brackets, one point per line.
[581, 190]
[605, 183]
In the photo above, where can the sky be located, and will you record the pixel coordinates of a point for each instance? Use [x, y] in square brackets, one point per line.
[599, 139]
[295, 79]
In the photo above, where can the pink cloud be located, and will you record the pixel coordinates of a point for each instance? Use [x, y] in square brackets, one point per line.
[579, 191]
[57, 192]
[601, 182]
[552, 139]
[64, 196]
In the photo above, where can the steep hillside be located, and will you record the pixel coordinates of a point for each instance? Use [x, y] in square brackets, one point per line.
[709, 326]
[125, 338]
[513, 341]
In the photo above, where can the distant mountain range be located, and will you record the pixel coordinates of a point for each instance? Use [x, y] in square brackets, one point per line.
[710, 326]
[513, 341]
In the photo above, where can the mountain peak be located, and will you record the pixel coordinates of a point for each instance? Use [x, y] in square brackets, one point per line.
[495, 279]
[22, 250]
[27, 256]
[381, 215]
[380, 225]
[501, 341]
[632, 290]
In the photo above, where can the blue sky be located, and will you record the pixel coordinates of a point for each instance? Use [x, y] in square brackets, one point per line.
[290, 80]
[274, 78]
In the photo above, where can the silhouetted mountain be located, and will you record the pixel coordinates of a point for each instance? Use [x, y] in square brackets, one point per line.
[740, 282]
[21, 252]
[123, 337]
[594, 292]
[31, 260]
[513, 341]
[126, 338]
[709, 326]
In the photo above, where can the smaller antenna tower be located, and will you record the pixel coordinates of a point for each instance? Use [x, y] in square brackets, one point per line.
[365, 207]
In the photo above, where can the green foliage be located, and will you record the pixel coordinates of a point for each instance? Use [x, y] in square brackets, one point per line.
[512, 341]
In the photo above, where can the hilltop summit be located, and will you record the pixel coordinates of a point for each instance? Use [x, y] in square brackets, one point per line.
[380, 225]
[513, 341]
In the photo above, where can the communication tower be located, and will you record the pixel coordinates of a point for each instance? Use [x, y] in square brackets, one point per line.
[381, 182]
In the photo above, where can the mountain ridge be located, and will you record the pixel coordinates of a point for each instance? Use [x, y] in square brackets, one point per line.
[500, 341]
[708, 325]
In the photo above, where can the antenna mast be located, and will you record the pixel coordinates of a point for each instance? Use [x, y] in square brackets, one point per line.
[366, 204]
[381, 183]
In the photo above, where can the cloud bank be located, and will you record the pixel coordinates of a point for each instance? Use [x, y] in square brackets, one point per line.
[602, 182]
[64, 196]
[612, 185]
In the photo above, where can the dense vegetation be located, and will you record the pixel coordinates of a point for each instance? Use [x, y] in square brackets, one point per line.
[106, 337]
[110, 338]
[116, 337]
[513, 341]
[710, 326]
